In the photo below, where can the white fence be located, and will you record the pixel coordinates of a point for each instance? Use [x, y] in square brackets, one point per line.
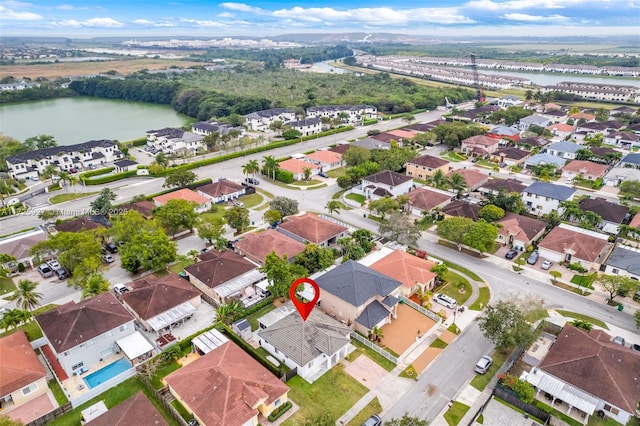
[375, 348]
[422, 310]
[93, 392]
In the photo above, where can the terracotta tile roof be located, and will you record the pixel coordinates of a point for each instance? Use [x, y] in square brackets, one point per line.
[507, 185]
[406, 268]
[522, 227]
[404, 134]
[258, 246]
[297, 166]
[635, 222]
[472, 177]
[73, 323]
[151, 296]
[611, 212]
[585, 167]
[582, 246]
[136, 410]
[429, 161]
[84, 223]
[561, 127]
[584, 115]
[481, 140]
[221, 187]
[144, 207]
[216, 268]
[325, 156]
[19, 364]
[590, 362]
[388, 177]
[182, 194]
[427, 199]
[312, 228]
[461, 208]
[233, 382]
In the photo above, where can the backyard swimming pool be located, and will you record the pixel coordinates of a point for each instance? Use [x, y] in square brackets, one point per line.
[105, 373]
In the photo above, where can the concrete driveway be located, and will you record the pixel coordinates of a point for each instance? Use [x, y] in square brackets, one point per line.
[364, 370]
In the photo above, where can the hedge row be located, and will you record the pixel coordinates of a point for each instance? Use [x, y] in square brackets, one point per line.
[110, 178]
[284, 176]
[97, 172]
[279, 412]
[135, 142]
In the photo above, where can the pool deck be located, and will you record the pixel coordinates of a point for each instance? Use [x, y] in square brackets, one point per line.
[75, 385]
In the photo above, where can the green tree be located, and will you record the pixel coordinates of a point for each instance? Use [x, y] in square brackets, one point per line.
[251, 168]
[150, 249]
[286, 206]
[398, 227]
[584, 154]
[457, 183]
[306, 173]
[552, 218]
[406, 420]
[49, 172]
[102, 204]
[26, 295]
[40, 142]
[179, 178]
[333, 206]
[212, 141]
[291, 134]
[125, 227]
[13, 318]
[270, 166]
[510, 202]
[237, 218]
[94, 285]
[491, 213]
[544, 171]
[228, 312]
[506, 323]
[315, 258]
[162, 159]
[176, 214]
[636, 316]
[615, 284]
[384, 205]
[454, 228]
[78, 252]
[392, 159]
[630, 189]
[481, 236]
[602, 115]
[355, 156]
[351, 250]
[364, 239]
[280, 274]
[408, 118]
[438, 179]
[277, 126]
[210, 228]
[440, 269]
[272, 216]
[47, 215]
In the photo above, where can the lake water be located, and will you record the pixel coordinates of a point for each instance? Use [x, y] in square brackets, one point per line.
[548, 79]
[81, 119]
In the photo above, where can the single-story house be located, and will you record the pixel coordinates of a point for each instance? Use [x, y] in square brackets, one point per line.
[626, 140]
[624, 261]
[122, 166]
[402, 134]
[426, 165]
[386, 183]
[617, 175]
[388, 138]
[533, 141]
[590, 373]
[560, 130]
[584, 169]
[311, 228]
[582, 116]
[340, 148]
[460, 208]
[426, 199]
[370, 143]
[623, 110]
[298, 166]
[359, 296]
[564, 149]
[242, 391]
[413, 272]
[312, 346]
[22, 375]
[555, 115]
[256, 247]
[479, 146]
[83, 223]
[540, 159]
[327, 160]
[544, 197]
[519, 231]
[136, 410]
[494, 186]
[567, 243]
[612, 214]
[222, 190]
[144, 207]
[19, 246]
[511, 156]
[160, 304]
[225, 275]
[202, 203]
[473, 178]
[631, 161]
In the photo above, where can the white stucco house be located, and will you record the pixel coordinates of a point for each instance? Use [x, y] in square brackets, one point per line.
[386, 184]
[261, 120]
[544, 197]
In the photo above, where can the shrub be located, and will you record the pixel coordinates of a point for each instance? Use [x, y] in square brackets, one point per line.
[577, 267]
[110, 178]
[97, 172]
[284, 176]
[278, 412]
[21, 267]
[522, 388]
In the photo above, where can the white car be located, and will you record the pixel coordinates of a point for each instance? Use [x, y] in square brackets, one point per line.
[108, 258]
[546, 264]
[54, 264]
[483, 364]
[445, 300]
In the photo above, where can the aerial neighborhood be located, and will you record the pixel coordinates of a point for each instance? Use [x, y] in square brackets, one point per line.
[476, 262]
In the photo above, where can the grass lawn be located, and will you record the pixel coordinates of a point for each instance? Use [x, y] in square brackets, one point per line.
[306, 182]
[582, 317]
[57, 391]
[584, 280]
[452, 156]
[455, 413]
[111, 398]
[373, 355]
[372, 408]
[408, 373]
[163, 371]
[572, 289]
[338, 194]
[464, 270]
[439, 343]
[69, 196]
[336, 173]
[454, 284]
[333, 393]
[480, 381]
[6, 285]
[356, 197]
[514, 408]
[179, 266]
[215, 211]
[181, 410]
[596, 421]
[483, 299]
[253, 318]
[557, 414]
[251, 200]
[454, 329]
[265, 193]
[32, 329]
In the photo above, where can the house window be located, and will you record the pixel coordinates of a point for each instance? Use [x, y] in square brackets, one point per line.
[607, 407]
[78, 365]
[124, 327]
[614, 410]
[277, 402]
[26, 391]
[615, 271]
[108, 333]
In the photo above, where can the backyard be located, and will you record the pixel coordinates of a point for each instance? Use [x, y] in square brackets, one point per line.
[31, 328]
[402, 332]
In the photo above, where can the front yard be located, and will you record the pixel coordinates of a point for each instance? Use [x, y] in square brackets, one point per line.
[331, 395]
[356, 197]
[457, 287]
[6, 285]
[480, 381]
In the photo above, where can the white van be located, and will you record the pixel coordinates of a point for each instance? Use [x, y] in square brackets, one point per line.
[445, 300]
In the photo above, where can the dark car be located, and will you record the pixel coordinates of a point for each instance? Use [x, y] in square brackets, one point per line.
[533, 258]
[61, 273]
[324, 175]
[511, 254]
[111, 248]
[252, 181]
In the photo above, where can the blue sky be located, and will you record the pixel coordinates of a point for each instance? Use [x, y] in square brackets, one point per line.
[85, 18]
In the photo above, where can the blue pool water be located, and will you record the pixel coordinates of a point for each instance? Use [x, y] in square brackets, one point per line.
[112, 370]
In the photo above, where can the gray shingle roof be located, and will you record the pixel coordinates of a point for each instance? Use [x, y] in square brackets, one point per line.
[546, 189]
[65, 149]
[565, 146]
[372, 314]
[625, 259]
[356, 284]
[303, 341]
[390, 301]
[545, 159]
[631, 159]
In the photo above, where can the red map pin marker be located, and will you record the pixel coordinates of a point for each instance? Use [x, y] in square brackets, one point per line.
[304, 309]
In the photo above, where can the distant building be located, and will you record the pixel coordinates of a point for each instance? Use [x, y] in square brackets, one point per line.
[261, 120]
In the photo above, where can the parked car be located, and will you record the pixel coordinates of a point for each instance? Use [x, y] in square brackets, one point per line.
[483, 364]
[324, 175]
[45, 270]
[108, 258]
[511, 254]
[73, 170]
[445, 300]
[252, 181]
[61, 273]
[373, 421]
[618, 340]
[120, 288]
[238, 204]
[53, 264]
[533, 258]
[546, 264]
[635, 347]
[636, 296]
[503, 165]
[111, 248]
[35, 178]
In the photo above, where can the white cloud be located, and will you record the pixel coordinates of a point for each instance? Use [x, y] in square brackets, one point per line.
[91, 23]
[526, 4]
[199, 23]
[13, 4]
[226, 15]
[12, 15]
[241, 7]
[534, 18]
[152, 23]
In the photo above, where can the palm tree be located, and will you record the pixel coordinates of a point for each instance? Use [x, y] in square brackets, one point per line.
[333, 206]
[376, 334]
[13, 318]
[270, 166]
[425, 297]
[26, 296]
[64, 177]
[95, 285]
[7, 187]
[438, 179]
[73, 181]
[457, 183]
[251, 168]
[306, 172]
[228, 312]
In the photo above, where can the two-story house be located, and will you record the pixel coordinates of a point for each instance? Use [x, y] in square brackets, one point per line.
[386, 183]
[205, 128]
[307, 126]
[175, 141]
[612, 214]
[564, 149]
[479, 146]
[349, 113]
[426, 165]
[261, 120]
[544, 197]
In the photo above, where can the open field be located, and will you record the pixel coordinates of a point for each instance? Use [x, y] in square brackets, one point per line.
[577, 47]
[125, 66]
